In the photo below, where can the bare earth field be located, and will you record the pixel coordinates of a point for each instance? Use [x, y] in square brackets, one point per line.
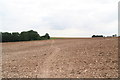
[61, 58]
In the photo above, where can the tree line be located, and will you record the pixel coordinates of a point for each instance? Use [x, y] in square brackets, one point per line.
[23, 36]
[115, 35]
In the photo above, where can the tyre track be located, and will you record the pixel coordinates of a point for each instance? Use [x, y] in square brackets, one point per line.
[48, 62]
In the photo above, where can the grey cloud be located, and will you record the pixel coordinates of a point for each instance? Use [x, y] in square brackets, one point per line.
[59, 16]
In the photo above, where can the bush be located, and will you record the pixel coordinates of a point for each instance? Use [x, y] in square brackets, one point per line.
[97, 36]
[23, 36]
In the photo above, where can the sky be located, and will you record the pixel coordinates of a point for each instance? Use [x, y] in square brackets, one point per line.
[60, 18]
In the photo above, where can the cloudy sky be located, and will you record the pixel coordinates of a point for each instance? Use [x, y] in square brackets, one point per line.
[60, 18]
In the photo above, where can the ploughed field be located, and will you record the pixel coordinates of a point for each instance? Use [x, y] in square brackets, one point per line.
[61, 58]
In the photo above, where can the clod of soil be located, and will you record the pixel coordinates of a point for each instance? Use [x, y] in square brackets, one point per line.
[61, 58]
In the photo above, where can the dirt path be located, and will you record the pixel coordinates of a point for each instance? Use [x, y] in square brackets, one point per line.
[48, 61]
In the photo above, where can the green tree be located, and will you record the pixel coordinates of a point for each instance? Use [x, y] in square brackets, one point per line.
[15, 36]
[33, 35]
[47, 36]
[29, 35]
[23, 36]
[6, 37]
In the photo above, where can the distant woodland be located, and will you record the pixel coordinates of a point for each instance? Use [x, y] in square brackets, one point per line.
[23, 36]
